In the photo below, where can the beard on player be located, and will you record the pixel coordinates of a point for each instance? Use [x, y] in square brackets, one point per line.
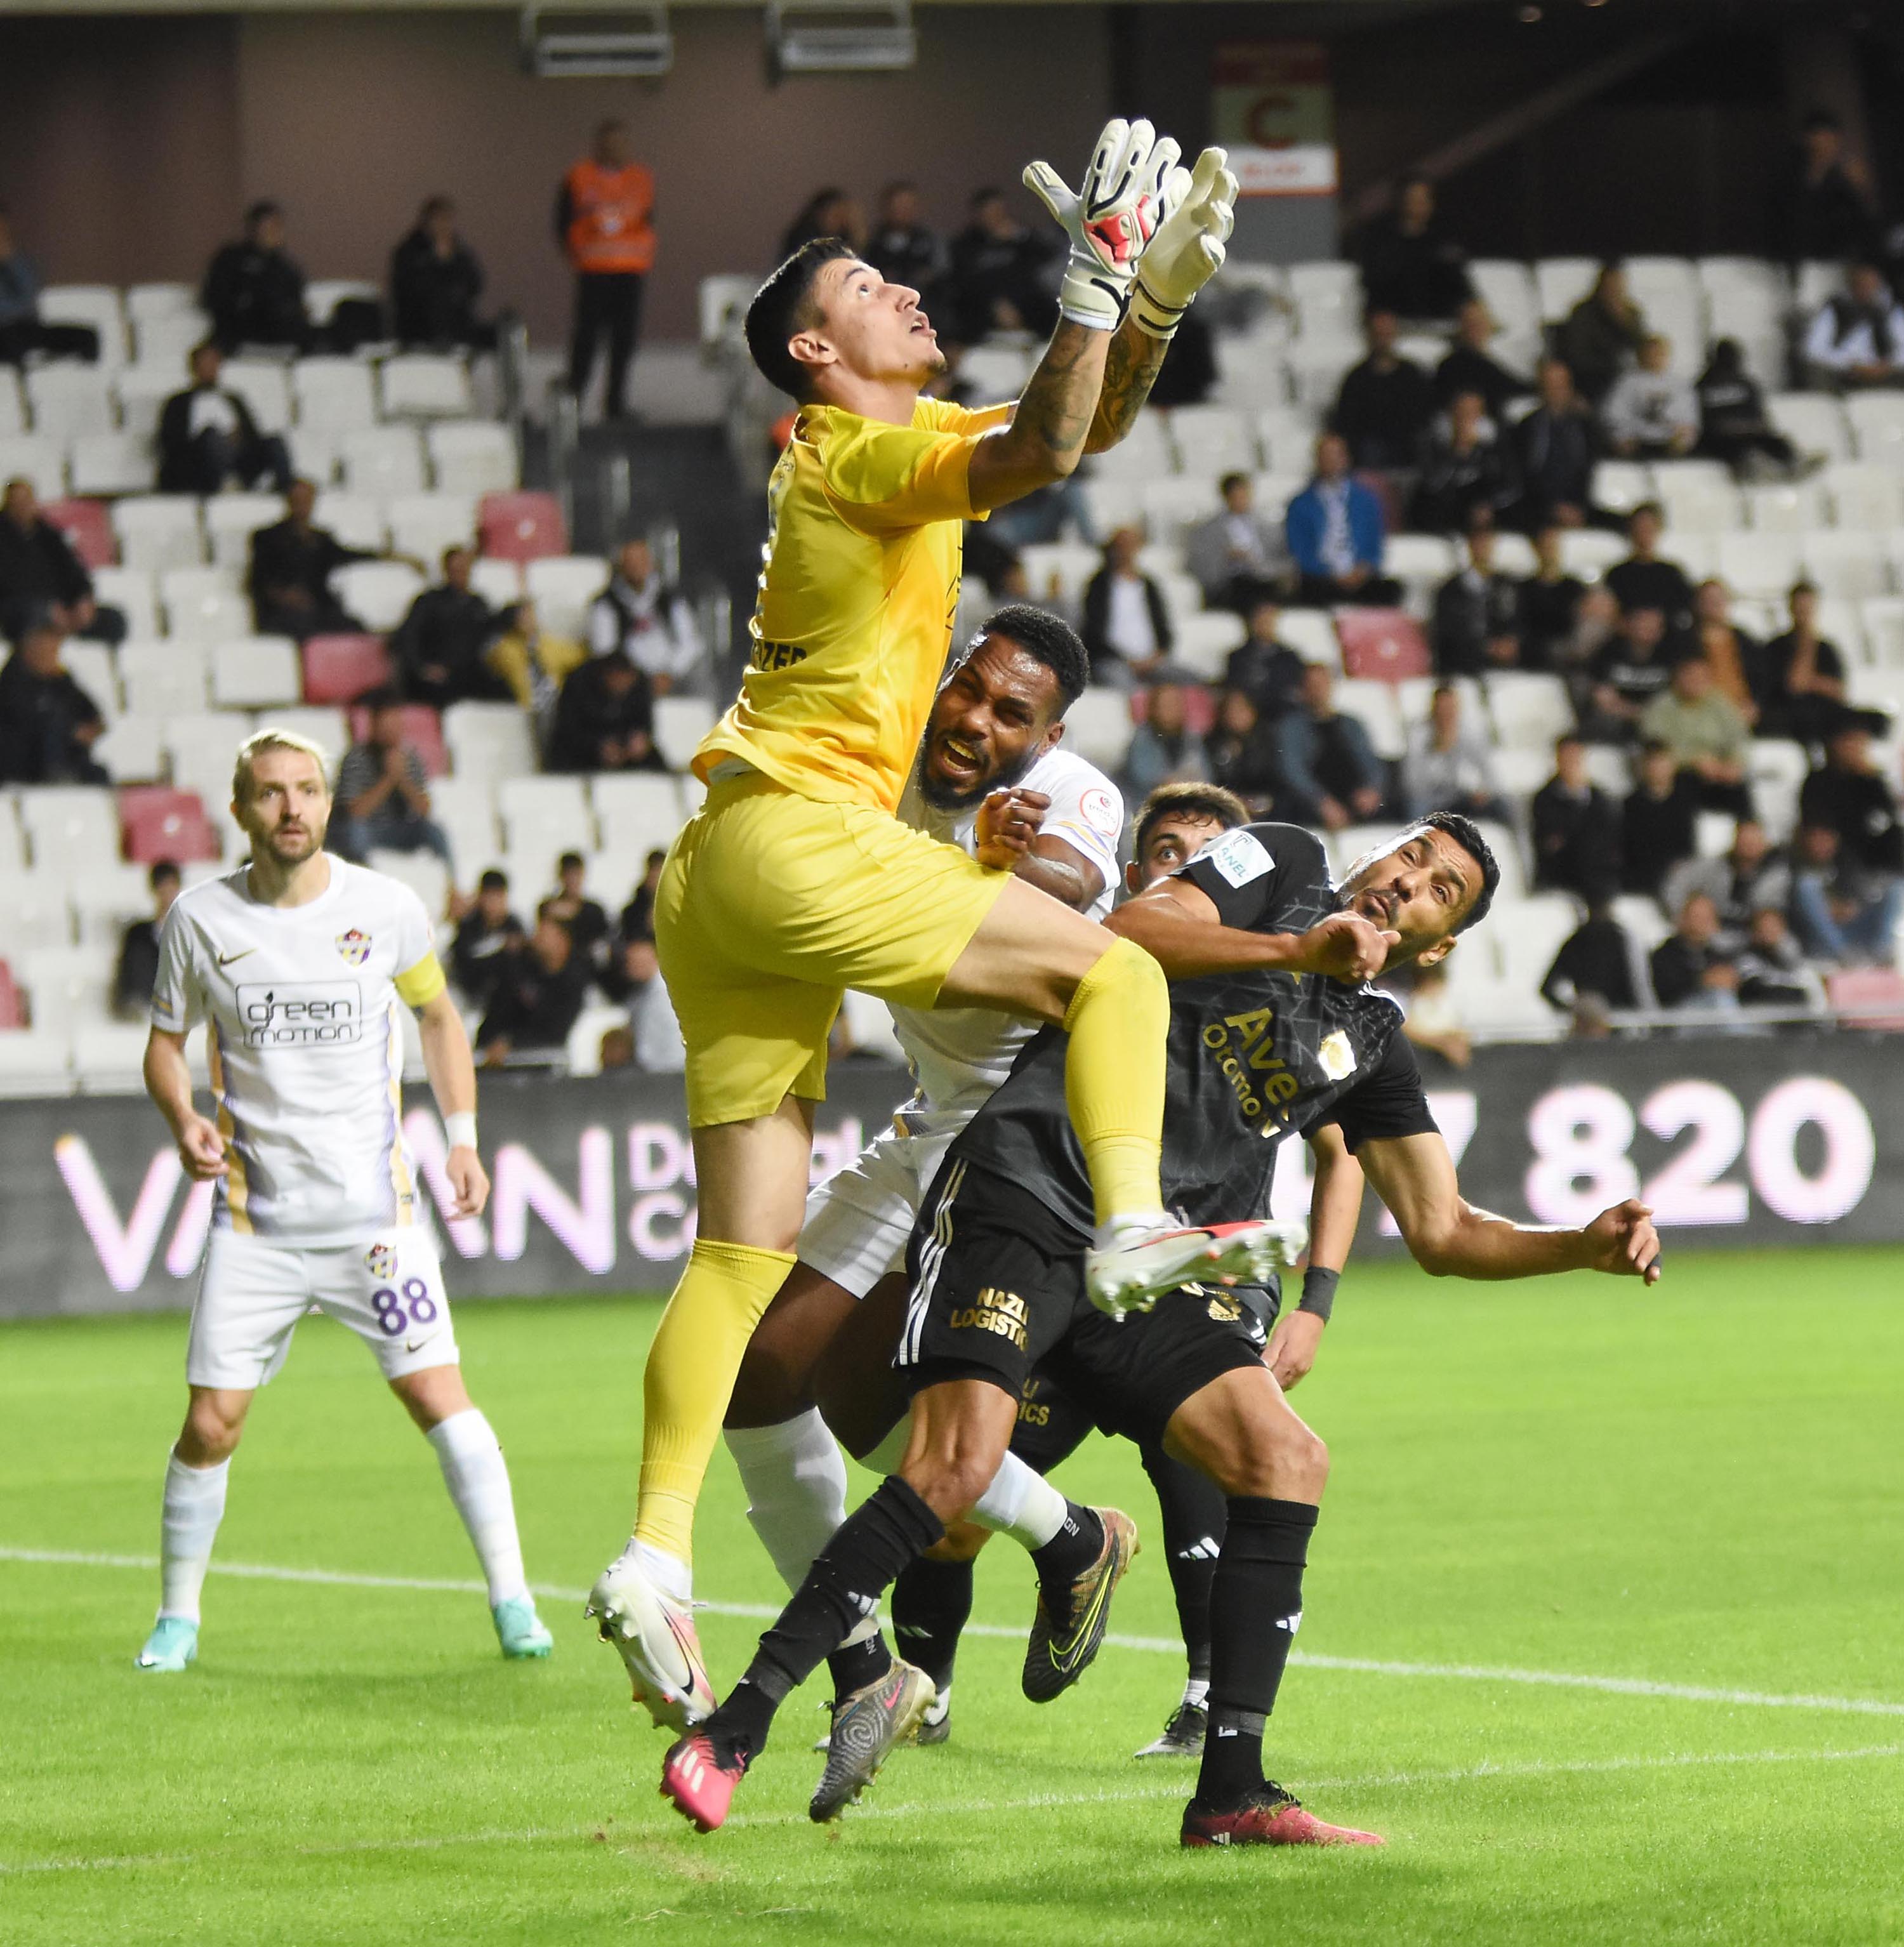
[963, 768]
[294, 838]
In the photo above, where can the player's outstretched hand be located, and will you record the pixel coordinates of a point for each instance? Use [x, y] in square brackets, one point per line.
[1624, 1242]
[1345, 946]
[1188, 249]
[468, 1179]
[1110, 216]
[1008, 823]
[1292, 1347]
[201, 1149]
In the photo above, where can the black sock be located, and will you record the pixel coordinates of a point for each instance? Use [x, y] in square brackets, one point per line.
[842, 1588]
[931, 1601]
[1255, 1603]
[1194, 1516]
[853, 1665]
[1070, 1552]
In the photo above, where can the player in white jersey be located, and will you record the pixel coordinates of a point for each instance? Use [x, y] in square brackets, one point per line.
[296, 963]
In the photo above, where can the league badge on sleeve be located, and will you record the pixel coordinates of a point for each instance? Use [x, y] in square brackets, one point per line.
[1240, 856]
[354, 945]
[381, 1260]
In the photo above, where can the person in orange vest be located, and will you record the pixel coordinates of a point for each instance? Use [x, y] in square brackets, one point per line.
[604, 221]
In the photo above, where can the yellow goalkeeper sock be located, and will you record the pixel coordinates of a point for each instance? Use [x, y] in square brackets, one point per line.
[689, 1378]
[1118, 1021]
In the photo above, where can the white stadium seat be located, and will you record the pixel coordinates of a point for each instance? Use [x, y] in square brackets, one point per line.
[1058, 570]
[380, 461]
[67, 399]
[1562, 282]
[1763, 565]
[204, 604]
[636, 812]
[165, 338]
[166, 679]
[473, 456]
[1171, 506]
[35, 457]
[1589, 552]
[490, 739]
[356, 519]
[416, 385]
[96, 306]
[1863, 494]
[332, 394]
[1310, 633]
[1145, 454]
[1213, 440]
[1097, 726]
[13, 404]
[130, 750]
[109, 1057]
[1506, 287]
[1379, 710]
[465, 806]
[159, 531]
[1812, 422]
[256, 673]
[322, 295]
[90, 664]
[425, 524]
[231, 519]
[561, 586]
[422, 871]
[112, 463]
[1204, 642]
[69, 828]
[265, 388]
[1786, 507]
[680, 722]
[993, 373]
[33, 1063]
[497, 581]
[1848, 563]
[378, 594]
[546, 814]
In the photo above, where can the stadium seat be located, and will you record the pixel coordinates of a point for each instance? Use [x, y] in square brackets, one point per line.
[91, 665]
[521, 527]
[380, 461]
[13, 404]
[12, 1003]
[164, 340]
[1310, 633]
[1507, 288]
[562, 587]
[231, 519]
[1327, 295]
[111, 463]
[106, 898]
[992, 374]
[314, 452]
[1881, 621]
[1286, 436]
[39, 915]
[1145, 454]
[635, 812]
[203, 603]
[1848, 563]
[1204, 642]
[130, 751]
[1863, 493]
[1697, 555]
[1315, 367]
[340, 668]
[422, 728]
[160, 300]
[426, 524]
[378, 594]
[1097, 727]
[332, 394]
[1621, 485]
[1382, 644]
[1778, 769]
[465, 809]
[162, 823]
[1182, 596]
[158, 531]
[88, 527]
[1872, 998]
[1814, 423]
[33, 1063]
[140, 393]
[1786, 507]
[264, 385]
[162, 679]
[498, 582]
[68, 827]
[473, 456]
[422, 872]
[680, 722]
[1170, 506]
[722, 303]
[1428, 559]
[66, 400]
[109, 1057]
[1562, 282]
[416, 385]
[33, 457]
[1212, 440]
[256, 673]
[493, 740]
[69, 986]
[356, 519]
[1057, 570]
[550, 814]
[1376, 705]
[1696, 503]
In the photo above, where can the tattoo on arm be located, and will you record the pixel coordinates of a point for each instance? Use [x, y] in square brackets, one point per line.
[1055, 407]
[1130, 368]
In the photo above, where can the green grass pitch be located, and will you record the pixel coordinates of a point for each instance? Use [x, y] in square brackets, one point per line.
[1693, 1490]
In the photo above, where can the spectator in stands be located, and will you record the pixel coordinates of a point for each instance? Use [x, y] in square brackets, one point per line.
[1336, 534]
[570, 905]
[1736, 658]
[646, 619]
[995, 277]
[827, 212]
[1576, 826]
[605, 719]
[536, 998]
[901, 249]
[1692, 969]
[1578, 658]
[1431, 1017]
[1410, 264]
[1330, 774]
[1554, 449]
[383, 790]
[208, 439]
[1602, 334]
[1659, 821]
[1385, 402]
[1735, 426]
[1125, 626]
[137, 968]
[1707, 734]
[1651, 412]
[40, 571]
[1825, 210]
[1550, 604]
[532, 666]
[21, 329]
[1643, 580]
[637, 920]
[1633, 668]
[1843, 913]
[253, 291]
[605, 223]
[1855, 340]
[1241, 750]
[48, 724]
[439, 646]
[1848, 795]
[1163, 749]
[435, 283]
[1465, 474]
[1477, 625]
[1753, 876]
[1600, 959]
[1189, 373]
[1450, 765]
[1470, 367]
[1772, 972]
[292, 562]
[484, 935]
[1237, 555]
[1267, 671]
[1801, 675]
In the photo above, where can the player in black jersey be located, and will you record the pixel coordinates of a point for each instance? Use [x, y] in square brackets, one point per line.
[1273, 1029]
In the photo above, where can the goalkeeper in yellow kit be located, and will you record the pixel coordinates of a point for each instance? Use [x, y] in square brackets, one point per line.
[796, 881]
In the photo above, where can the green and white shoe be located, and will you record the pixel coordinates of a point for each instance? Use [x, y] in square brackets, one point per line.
[172, 1645]
[520, 1630]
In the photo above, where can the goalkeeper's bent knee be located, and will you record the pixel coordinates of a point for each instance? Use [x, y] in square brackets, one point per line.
[1119, 1021]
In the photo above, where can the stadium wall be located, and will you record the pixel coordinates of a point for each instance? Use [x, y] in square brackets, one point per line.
[1744, 1140]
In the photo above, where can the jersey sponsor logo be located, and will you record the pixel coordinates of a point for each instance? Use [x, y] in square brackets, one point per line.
[226, 959]
[301, 1014]
[1239, 855]
[776, 656]
[1337, 1057]
[1245, 1049]
[1001, 1313]
[1103, 812]
[354, 945]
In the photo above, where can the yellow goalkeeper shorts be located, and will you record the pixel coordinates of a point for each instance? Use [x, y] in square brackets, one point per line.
[771, 905]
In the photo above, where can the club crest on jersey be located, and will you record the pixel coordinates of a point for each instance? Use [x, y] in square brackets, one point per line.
[354, 945]
[381, 1259]
[1337, 1057]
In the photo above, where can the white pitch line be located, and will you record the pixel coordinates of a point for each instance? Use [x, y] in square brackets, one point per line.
[1617, 1686]
[988, 1807]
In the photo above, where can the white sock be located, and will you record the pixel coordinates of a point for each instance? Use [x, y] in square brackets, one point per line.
[1196, 1690]
[474, 1473]
[1020, 1502]
[194, 1505]
[1129, 1227]
[795, 1477]
[668, 1573]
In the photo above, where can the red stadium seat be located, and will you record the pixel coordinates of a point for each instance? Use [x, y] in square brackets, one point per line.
[340, 668]
[156, 822]
[12, 1007]
[88, 527]
[421, 727]
[1382, 645]
[1868, 989]
[522, 527]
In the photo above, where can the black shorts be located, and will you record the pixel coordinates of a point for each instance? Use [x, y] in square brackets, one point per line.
[1051, 1426]
[998, 1288]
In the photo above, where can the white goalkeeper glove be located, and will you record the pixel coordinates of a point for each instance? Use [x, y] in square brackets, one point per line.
[1200, 211]
[1110, 217]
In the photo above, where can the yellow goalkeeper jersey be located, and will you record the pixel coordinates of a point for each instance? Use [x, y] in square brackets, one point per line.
[857, 591]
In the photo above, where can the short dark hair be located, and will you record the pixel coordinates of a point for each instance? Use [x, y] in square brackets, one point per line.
[1230, 480]
[1467, 834]
[493, 880]
[1187, 800]
[1652, 507]
[162, 869]
[784, 305]
[570, 861]
[383, 698]
[1047, 638]
[257, 213]
[1820, 118]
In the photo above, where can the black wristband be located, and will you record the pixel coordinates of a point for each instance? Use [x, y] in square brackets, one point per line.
[1319, 1292]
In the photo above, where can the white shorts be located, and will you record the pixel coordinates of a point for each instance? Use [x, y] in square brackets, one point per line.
[859, 1221]
[252, 1291]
